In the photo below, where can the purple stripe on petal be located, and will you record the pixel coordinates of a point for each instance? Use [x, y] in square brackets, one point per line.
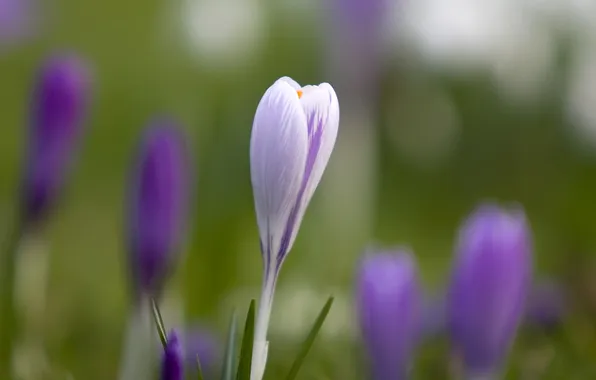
[314, 146]
[315, 138]
[291, 225]
[278, 149]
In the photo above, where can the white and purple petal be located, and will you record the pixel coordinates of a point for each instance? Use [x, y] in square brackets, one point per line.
[321, 109]
[293, 134]
[278, 151]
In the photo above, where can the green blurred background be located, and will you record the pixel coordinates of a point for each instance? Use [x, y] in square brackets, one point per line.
[439, 142]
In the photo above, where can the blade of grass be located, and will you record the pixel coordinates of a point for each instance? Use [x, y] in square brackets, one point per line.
[159, 323]
[244, 366]
[227, 372]
[308, 342]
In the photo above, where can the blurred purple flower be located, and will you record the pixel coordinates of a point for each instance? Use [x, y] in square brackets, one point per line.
[356, 36]
[204, 344]
[389, 310]
[547, 304]
[490, 282]
[159, 203]
[293, 135]
[58, 110]
[16, 18]
[172, 365]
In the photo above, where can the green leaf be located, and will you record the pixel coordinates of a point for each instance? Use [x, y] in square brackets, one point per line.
[227, 372]
[308, 342]
[159, 323]
[244, 366]
[199, 369]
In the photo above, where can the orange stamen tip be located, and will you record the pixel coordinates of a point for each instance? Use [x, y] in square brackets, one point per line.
[299, 93]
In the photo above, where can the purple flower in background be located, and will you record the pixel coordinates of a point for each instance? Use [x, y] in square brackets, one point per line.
[489, 287]
[389, 310]
[356, 36]
[546, 305]
[159, 202]
[293, 135]
[172, 365]
[201, 343]
[58, 110]
[16, 19]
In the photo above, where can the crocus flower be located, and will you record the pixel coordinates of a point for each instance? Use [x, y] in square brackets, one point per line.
[59, 102]
[490, 282]
[293, 134]
[159, 200]
[172, 365]
[389, 311]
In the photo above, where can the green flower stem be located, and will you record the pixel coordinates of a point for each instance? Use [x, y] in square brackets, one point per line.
[138, 351]
[8, 320]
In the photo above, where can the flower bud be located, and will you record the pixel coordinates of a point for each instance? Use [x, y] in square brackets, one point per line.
[293, 135]
[57, 114]
[490, 283]
[159, 201]
[389, 311]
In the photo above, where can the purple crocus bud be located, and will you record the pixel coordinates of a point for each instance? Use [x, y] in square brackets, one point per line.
[159, 203]
[293, 135]
[389, 310]
[489, 287]
[172, 365]
[58, 109]
[547, 304]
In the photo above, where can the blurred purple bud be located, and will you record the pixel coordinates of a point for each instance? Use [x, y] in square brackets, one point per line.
[172, 365]
[357, 36]
[159, 204]
[389, 310]
[58, 110]
[16, 18]
[201, 343]
[490, 282]
[546, 305]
